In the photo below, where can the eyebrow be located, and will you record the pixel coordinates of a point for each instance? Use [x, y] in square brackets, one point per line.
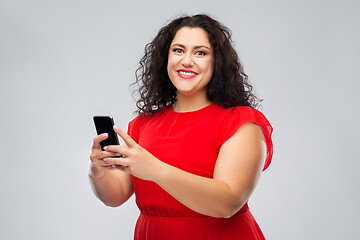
[196, 47]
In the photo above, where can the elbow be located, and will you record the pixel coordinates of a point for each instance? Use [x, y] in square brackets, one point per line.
[115, 201]
[229, 214]
[109, 202]
[112, 204]
[228, 210]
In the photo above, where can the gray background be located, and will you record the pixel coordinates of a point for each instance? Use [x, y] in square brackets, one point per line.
[61, 62]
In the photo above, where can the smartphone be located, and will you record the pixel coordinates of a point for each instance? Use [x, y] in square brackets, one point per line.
[104, 124]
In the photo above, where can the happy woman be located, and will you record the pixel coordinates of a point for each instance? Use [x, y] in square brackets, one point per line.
[195, 152]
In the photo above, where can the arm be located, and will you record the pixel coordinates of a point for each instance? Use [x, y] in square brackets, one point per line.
[238, 168]
[111, 186]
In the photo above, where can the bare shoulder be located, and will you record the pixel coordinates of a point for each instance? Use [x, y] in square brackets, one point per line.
[249, 131]
[247, 140]
[243, 152]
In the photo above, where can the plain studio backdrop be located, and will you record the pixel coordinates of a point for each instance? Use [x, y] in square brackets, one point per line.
[61, 62]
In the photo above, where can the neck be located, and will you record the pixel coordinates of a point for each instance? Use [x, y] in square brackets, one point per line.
[190, 103]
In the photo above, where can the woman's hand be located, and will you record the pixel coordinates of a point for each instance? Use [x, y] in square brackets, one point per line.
[134, 159]
[98, 157]
[237, 170]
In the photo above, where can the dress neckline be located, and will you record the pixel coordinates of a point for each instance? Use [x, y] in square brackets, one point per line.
[190, 113]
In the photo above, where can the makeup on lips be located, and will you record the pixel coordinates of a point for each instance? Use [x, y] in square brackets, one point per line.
[187, 74]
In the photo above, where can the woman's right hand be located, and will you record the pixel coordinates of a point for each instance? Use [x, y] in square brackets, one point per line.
[98, 157]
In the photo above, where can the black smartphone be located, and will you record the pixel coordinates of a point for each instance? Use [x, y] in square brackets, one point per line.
[104, 124]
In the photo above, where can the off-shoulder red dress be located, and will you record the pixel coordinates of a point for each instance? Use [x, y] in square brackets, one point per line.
[191, 141]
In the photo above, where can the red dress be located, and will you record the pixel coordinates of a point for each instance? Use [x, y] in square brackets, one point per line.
[190, 141]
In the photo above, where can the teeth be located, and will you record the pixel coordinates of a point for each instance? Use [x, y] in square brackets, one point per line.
[187, 73]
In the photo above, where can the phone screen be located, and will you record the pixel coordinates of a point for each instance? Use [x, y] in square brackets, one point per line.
[104, 124]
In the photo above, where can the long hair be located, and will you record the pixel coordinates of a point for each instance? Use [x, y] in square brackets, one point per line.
[228, 86]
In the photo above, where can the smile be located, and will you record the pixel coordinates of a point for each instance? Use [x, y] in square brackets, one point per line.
[186, 74]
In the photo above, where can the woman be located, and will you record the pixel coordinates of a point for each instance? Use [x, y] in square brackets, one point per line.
[194, 154]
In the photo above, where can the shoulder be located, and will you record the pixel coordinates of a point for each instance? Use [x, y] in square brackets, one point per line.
[244, 114]
[245, 121]
[245, 111]
[240, 114]
[143, 118]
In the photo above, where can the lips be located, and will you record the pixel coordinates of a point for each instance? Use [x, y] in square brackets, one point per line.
[187, 74]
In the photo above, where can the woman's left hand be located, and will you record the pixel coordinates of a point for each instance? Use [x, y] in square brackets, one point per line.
[135, 159]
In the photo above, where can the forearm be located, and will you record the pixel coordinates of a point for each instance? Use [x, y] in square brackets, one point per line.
[109, 189]
[207, 196]
[237, 169]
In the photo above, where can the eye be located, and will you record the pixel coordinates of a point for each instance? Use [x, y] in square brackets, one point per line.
[200, 53]
[177, 50]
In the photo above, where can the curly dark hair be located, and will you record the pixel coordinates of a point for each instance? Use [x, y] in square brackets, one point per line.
[228, 86]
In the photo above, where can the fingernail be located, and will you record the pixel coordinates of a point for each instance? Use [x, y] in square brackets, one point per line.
[105, 159]
[104, 134]
[105, 147]
[113, 165]
[116, 128]
[117, 154]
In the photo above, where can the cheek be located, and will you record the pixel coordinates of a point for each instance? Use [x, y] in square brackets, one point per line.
[208, 67]
[170, 62]
[169, 66]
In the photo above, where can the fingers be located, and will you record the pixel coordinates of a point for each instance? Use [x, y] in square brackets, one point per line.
[97, 156]
[127, 139]
[111, 156]
[101, 159]
[124, 162]
[98, 139]
[119, 150]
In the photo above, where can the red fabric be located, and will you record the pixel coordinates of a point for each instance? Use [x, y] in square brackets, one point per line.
[190, 141]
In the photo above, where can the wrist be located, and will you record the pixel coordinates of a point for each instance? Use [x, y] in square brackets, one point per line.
[96, 172]
[161, 173]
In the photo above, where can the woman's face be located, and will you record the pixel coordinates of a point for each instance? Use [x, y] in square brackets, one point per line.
[190, 62]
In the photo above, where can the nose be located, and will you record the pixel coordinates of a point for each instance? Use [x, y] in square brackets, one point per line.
[187, 60]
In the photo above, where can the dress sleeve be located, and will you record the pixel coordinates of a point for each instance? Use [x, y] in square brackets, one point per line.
[236, 117]
[133, 129]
